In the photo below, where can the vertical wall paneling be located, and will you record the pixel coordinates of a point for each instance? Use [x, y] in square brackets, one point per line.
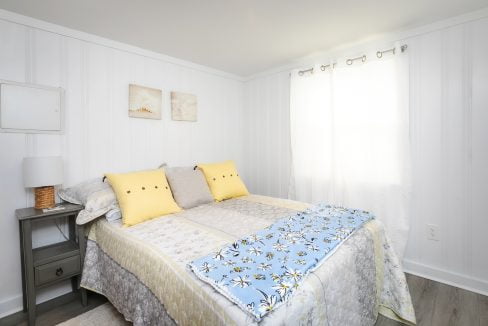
[84, 108]
[414, 48]
[467, 63]
[448, 115]
[250, 123]
[453, 130]
[75, 119]
[429, 204]
[99, 135]
[12, 67]
[267, 135]
[14, 51]
[478, 154]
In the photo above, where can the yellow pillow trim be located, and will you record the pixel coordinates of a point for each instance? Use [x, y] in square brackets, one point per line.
[142, 195]
[223, 180]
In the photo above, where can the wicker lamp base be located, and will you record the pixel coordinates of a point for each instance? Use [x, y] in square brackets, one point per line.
[44, 197]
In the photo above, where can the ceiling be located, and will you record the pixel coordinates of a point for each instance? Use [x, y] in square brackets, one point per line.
[241, 37]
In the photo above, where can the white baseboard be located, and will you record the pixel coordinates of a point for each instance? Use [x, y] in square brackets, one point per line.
[451, 278]
[13, 304]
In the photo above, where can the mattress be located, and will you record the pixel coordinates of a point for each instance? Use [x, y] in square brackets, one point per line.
[143, 270]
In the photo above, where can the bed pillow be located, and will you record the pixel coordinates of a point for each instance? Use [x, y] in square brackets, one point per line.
[223, 180]
[96, 196]
[79, 194]
[189, 186]
[114, 214]
[142, 195]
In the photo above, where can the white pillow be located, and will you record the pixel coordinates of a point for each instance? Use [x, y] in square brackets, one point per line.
[79, 193]
[97, 197]
[114, 214]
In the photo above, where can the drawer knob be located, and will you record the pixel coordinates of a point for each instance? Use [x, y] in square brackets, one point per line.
[59, 271]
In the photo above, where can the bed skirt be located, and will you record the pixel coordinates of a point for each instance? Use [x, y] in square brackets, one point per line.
[123, 289]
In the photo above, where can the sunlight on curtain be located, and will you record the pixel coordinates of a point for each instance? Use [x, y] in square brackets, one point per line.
[350, 139]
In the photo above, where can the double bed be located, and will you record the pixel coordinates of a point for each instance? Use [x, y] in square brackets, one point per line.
[143, 270]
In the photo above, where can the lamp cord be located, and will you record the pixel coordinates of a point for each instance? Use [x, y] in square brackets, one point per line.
[60, 231]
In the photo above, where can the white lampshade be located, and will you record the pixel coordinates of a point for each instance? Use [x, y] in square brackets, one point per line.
[42, 171]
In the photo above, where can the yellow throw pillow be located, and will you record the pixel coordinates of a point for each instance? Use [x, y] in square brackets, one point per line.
[223, 180]
[142, 195]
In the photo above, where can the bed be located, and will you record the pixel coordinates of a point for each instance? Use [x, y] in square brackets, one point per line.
[143, 271]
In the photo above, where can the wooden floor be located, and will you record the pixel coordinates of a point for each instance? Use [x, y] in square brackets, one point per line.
[440, 304]
[435, 304]
[47, 316]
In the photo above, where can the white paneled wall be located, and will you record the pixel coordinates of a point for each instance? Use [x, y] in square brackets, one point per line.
[100, 137]
[449, 115]
[250, 124]
[267, 135]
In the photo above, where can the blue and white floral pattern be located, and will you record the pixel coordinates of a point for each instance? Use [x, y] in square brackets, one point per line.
[261, 271]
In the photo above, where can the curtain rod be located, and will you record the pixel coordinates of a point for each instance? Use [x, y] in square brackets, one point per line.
[363, 58]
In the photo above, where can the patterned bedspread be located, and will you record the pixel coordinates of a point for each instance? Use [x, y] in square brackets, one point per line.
[261, 271]
[149, 261]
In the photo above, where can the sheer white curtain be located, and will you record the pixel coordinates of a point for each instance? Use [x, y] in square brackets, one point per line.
[350, 139]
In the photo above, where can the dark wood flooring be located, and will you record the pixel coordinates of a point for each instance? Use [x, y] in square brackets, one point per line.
[435, 304]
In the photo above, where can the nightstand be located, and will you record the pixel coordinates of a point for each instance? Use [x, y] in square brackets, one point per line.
[45, 266]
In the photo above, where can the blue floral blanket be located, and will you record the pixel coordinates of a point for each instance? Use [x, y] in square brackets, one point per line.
[260, 272]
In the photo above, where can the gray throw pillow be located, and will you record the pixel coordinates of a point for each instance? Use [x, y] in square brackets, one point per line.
[189, 186]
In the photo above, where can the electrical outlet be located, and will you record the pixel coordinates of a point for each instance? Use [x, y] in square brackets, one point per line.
[433, 232]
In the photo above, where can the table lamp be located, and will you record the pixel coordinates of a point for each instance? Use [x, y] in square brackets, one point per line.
[42, 173]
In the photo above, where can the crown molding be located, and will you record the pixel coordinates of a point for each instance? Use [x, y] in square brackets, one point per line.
[12, 17]
[371, 41]
[322, 56]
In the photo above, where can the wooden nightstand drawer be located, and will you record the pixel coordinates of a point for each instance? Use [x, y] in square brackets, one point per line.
[57, 270]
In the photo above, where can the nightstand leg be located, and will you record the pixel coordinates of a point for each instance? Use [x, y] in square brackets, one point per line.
[22, 265]
[29, 268]
[82, 243]
[72, 228]
[84, 299]
[74, 283]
